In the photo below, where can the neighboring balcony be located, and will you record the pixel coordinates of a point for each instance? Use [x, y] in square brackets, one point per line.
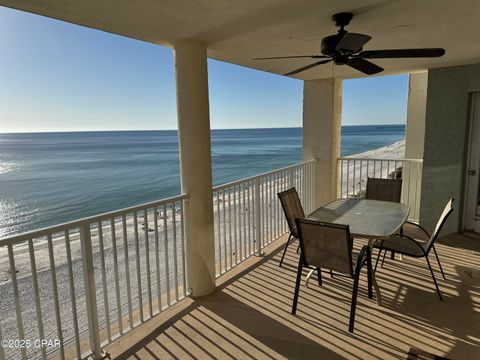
[89, 282]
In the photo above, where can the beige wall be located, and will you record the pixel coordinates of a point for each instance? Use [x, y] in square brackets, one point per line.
[322, 108]
[446, 130]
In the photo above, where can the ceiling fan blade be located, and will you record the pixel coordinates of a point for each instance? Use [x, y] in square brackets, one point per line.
[402, 53]
[352, 42]
[292, 57]
[308, 67]
[364, 66]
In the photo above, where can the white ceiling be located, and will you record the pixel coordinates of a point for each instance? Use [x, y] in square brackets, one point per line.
[238, 30]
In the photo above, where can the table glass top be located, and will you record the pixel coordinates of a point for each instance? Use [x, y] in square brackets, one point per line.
[366, 218]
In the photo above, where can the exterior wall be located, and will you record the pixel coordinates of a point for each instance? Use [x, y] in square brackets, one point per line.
[322, 109]
[446, 130]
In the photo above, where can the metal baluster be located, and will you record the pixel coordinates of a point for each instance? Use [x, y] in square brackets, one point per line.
[182, 234]
[147, 262]
[16, 295]
[258, 218]
[235, 237]
[104, 280]
[72, 291]
[230, 250]
[137, 264]
[55, 295]
[244, 215]
[90, 291]
[224, 232]
[165, 249]
[127, 270]
[115, 274]
[218, 240]
[175, 259]
[348, 176]
[249, 217]
[157, 260]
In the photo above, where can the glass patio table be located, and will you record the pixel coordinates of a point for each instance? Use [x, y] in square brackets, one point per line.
[371, 219]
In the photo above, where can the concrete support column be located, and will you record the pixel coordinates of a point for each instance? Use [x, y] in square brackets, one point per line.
[417, 107]
[414, 141]
[322, 109]
[195, 163]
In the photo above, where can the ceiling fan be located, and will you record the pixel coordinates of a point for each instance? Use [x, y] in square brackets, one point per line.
[345, 48]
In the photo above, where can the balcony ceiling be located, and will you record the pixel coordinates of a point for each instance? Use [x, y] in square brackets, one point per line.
[238, 30]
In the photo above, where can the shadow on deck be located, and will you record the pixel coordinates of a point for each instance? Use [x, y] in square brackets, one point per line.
[249, 314]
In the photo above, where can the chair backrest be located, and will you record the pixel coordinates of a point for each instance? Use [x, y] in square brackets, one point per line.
[384, 189]
[325, 245]
[292, 207]
[443, 218]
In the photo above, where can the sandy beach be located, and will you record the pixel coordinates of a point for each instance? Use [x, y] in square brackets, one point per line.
[122, 268]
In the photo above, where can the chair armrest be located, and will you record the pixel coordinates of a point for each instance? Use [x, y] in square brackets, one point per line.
[419, 226]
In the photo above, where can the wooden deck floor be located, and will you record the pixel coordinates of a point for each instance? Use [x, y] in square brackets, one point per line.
[249, 317]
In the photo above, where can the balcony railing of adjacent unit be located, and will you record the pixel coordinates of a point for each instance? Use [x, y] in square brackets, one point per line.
[87, 282]
[248, 215]
[353, 174]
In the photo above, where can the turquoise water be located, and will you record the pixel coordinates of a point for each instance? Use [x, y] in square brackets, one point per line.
[50, 178]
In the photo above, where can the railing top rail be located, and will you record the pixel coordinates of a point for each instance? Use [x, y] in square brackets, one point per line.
[241, 181]
[91, 219]
[380, 159]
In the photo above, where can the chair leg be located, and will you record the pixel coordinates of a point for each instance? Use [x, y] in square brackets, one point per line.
[433, 277]
[331, 274]
[378, 258]
[285, 250]
[297, 287]
[369, 274]
[319, 273]
[383, 259]
[438, 261]
[298, 248]
[392, 255]
[354, 302]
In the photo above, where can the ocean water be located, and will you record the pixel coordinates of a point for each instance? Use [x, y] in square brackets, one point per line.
[50, 178]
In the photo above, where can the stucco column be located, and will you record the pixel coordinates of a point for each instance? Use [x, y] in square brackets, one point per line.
[417, 107]
[414, 141]
[195, 164]
[322, 108]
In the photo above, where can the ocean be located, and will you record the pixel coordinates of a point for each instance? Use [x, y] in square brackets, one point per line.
[50, 178]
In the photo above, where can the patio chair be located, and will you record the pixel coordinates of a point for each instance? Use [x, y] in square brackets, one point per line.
[384, 189]
[292, 207]
[329, 246]
[409, 246]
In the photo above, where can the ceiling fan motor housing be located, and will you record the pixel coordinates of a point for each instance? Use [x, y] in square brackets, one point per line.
[329, 45]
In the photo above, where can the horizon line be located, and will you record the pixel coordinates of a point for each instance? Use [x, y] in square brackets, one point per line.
[152, 130]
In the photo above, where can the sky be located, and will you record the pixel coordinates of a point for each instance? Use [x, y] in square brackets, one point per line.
[57, 76]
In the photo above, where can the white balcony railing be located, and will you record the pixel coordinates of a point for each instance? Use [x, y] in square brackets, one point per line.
[353, 174]
[248, 215]
[87, 282]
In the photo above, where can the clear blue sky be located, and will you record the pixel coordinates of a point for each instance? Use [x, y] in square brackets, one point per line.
[57, 76]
